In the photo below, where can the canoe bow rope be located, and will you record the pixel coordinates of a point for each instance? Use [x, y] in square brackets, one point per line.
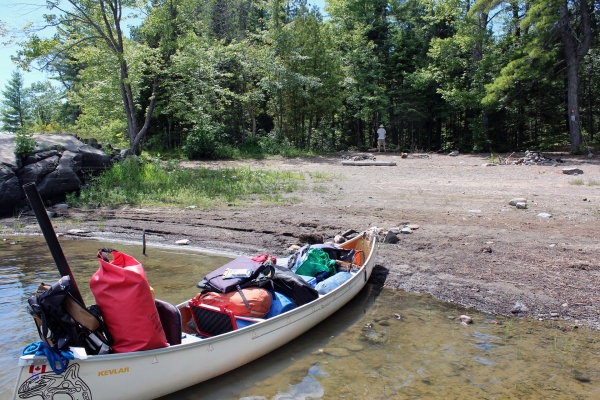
[42, 349]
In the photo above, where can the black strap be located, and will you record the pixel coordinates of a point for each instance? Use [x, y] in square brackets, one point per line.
[102, 253]
[43, 329]
[243, 297]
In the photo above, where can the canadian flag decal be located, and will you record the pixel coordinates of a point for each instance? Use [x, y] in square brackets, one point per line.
[37, 369]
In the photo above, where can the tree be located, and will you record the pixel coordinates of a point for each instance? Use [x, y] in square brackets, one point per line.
[44, 103]
[576, 37]
[98, 23]
[548, 26]
[13, 113]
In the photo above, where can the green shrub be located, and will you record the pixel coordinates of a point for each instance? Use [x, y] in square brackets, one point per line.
[206, 141]
[24, 144]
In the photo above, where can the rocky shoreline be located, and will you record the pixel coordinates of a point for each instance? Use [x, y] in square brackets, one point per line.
[467, 244]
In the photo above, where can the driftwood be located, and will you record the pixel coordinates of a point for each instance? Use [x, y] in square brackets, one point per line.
[370, 163]
[358, 157]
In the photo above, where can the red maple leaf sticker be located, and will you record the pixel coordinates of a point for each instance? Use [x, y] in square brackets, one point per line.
[37, 369]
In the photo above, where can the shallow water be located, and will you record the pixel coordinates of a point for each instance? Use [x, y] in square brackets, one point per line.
[362, 352]
[172, 273]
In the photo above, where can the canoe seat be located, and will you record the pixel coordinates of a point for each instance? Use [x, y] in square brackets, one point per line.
[212, 321]
[170, 318]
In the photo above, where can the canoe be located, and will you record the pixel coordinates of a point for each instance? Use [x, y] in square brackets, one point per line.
[154, 373]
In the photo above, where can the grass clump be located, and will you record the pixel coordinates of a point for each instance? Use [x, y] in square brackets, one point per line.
[577, 182]
[156, 184]
[318, 176]
[593, 183]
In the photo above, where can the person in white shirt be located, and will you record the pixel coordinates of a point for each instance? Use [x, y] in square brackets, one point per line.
[380, 138]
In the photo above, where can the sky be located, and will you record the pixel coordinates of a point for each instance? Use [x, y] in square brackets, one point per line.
[16, 15]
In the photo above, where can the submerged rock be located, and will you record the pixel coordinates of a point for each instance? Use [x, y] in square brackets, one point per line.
[336, 351]
[353, 347]
[373, 336]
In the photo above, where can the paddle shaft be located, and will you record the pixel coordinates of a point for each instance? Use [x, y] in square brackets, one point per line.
[38, 208]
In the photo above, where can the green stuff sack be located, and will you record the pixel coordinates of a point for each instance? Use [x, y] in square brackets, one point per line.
[316, 261]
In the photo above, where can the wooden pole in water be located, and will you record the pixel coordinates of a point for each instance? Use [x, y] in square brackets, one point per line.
[35, 200]
[144, 242]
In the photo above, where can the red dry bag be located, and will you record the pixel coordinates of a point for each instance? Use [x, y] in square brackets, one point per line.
[125, 299]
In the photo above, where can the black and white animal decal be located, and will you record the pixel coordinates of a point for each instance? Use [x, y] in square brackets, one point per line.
[49, 384]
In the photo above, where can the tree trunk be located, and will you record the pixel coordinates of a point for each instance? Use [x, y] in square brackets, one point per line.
[591, 108]
[575, 48]
[253, 117]
[573, 106]
[478, 48]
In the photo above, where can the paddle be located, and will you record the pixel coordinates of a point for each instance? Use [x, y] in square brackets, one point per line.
[51, 240]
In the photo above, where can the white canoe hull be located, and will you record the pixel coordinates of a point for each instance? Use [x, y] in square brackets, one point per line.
[154, 373]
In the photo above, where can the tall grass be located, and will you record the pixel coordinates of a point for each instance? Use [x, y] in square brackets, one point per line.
[154, 184]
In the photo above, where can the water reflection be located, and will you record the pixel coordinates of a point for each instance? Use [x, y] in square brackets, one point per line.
[362, 352]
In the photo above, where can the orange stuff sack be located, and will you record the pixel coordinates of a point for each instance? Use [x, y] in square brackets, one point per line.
[125, 300]
[258, 299]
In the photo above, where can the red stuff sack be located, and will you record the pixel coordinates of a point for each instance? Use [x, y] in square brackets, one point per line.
[251, 302]
[125, 299]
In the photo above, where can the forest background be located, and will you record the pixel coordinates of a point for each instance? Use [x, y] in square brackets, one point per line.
[224, 78]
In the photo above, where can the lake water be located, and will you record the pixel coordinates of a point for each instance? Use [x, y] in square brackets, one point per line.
[362, 352]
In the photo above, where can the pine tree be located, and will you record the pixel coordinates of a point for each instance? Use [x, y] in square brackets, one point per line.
[12, 113]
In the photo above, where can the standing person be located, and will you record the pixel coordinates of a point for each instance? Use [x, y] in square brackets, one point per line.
[380, 138]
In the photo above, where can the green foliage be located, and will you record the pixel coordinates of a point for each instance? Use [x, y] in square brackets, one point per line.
[46, 107]
[242, 78]
[269, 146]
[203, 142]
[152, 183]
[13, 113]
[24, 144]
